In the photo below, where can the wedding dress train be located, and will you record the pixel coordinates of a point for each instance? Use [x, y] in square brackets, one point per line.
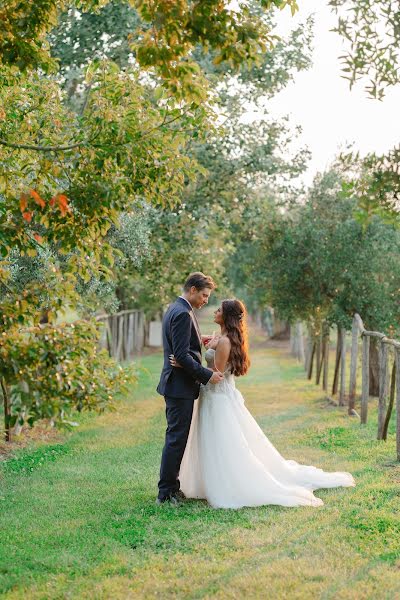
[230, 462]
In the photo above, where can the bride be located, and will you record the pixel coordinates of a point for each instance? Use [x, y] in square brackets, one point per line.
[228, 460]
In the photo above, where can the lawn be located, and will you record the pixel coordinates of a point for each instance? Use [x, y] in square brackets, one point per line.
[78, 517]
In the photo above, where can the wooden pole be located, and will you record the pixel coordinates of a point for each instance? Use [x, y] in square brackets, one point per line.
[337, 361]
[397, 358]
[365, 380]
[342, 390]
[391, 402]
[7, 410]
[383, 387]
[353, 367]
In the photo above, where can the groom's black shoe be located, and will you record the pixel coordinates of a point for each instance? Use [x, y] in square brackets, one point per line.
[173, 500]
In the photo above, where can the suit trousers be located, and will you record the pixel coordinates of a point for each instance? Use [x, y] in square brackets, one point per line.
[179, 416]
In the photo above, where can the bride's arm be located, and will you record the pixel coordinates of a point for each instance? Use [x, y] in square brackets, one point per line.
[222, 352]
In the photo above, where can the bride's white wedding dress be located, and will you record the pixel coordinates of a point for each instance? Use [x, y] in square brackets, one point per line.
[231, 463]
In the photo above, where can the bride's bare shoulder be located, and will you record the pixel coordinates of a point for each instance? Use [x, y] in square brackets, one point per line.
[224, 342]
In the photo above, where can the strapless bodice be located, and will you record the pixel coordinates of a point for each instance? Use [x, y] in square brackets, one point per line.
[210, 357]
[228, 377]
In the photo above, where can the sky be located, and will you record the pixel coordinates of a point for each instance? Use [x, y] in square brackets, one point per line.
[330, 114]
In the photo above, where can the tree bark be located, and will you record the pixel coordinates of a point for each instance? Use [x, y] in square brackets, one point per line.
[310, 364]
[383, 387]
[7, 410]
[391, 402]
[326, 361]
[342, 392]
[397, 359]
[337, 361]
[319, 359]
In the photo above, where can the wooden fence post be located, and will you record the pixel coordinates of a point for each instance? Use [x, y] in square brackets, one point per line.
[383, 387]
[391, 401]
[397, 359]
[342, 390]
[365, 379]
[353, 367]
[123, 334]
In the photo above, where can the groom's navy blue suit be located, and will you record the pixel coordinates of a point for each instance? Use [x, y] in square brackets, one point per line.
[180, 387]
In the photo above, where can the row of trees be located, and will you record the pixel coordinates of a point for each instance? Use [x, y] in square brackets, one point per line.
[131, 163]
[315, 261]
[103, 130]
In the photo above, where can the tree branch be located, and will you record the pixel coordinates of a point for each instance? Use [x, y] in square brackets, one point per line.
[43, 148]
[48, 148]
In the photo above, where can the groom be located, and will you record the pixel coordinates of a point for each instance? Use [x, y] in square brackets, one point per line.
[180, 386]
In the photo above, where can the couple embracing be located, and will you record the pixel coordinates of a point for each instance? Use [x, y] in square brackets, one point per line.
[214, 448]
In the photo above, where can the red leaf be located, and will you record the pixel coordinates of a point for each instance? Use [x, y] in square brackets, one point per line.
[38, 238]
[23, 202]
[27, 216]
[37, 198]
[52, 201]
[63, 204]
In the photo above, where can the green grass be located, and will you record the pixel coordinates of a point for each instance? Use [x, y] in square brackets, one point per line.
[79, 520]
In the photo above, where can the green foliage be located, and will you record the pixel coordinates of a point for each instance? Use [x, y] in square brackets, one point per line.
[372, 30]
[131, 151]
[317, 262]
[52, 371]
[375, 182]
[175, 29]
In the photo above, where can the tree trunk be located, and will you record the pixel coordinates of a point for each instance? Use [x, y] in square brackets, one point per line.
[397, 359]
[310, 364]
[319, 358]
[391, 402]
[374, 368]
[337, 362]
[342, 392]
[383, 387]
[309, 347]
[7, 410]
[326, 361]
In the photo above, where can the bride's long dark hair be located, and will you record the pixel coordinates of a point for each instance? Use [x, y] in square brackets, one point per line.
[234, 315]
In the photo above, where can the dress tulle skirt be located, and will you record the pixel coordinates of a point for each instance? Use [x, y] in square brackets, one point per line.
[231, 463]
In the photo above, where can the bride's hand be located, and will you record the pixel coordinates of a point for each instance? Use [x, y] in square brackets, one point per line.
[174, 362]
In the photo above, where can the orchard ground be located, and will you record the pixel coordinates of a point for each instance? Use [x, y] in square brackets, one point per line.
[78, 517]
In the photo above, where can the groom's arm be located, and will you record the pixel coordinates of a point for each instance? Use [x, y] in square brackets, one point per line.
[180, 337]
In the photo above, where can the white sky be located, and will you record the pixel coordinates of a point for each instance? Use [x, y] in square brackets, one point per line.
[320, 101]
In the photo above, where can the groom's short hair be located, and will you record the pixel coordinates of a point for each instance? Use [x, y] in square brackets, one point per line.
[199, 281]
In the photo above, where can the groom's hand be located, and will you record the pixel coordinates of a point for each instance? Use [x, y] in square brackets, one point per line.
[216, 377]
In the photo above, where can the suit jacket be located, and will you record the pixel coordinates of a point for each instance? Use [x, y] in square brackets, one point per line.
[181, 337]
